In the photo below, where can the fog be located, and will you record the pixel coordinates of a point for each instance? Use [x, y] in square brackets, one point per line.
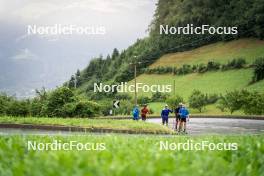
[28, 61]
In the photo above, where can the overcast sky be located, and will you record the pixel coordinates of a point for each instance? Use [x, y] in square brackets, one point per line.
[32, 61]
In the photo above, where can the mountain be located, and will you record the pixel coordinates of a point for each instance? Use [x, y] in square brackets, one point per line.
[218, 81]
[246, 15]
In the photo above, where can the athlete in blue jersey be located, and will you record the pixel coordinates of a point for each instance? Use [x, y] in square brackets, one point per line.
[165, 115]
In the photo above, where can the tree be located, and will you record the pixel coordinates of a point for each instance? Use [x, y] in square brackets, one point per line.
[234, 100]
[115, 54]
[72, 82]
[253, 103]
[197, 100]
[78, 78]
[173, 102]
[143, 100]
[19, 108]
[259, 69]
[57, 99]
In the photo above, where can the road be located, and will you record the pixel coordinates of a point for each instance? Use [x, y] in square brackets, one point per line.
[198, 126]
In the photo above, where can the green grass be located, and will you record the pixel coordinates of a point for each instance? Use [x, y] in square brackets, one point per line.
[210, 82]
[133, 155]
[248, 48]
[209, 109]
[218, 82]
[136, 126]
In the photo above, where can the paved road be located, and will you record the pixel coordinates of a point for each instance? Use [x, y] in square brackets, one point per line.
[196, 126]
[220, 126]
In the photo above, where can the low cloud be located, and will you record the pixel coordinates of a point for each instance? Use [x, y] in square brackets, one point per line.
[24, 54]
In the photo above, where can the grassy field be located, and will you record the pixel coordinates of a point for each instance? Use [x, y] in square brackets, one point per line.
[222, 52]
[210, 82]
[218, 82]
[133, 155]
[136, 126]
[209, 109]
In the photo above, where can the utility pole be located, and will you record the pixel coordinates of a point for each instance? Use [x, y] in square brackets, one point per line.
[135, 78]
[174, 87]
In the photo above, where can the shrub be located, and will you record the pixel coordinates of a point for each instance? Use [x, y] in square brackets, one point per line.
[143, 100]
[211, 65]
[86, 109]
[258, 70]
[173, 102]
[249, 102]
[57, 99]
[234, 101]
[68, 110]
[36, 107]
[185, 69]
[4, 103]
[197, 100]
[158, 96]
[123, 96]
[125, 108]
[253, 103]
[202, 68]
[221, 104]
[106, 106]
[18, 108]
[236, 63]
[211, 98]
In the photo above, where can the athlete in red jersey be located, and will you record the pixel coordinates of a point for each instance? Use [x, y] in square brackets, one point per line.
[144, 112]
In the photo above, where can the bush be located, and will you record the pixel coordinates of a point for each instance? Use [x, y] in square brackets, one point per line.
[125, 108]
[106, 106]
[258, 70]
[211, 98]
[249, 102]
[221, 104]
[235, 64]
[211, 65]
[173, 102]
[56, 100]
[234, 100]
[185, 69]
[253, 103]
[36, 107]
[202, 68]
[19, 108]
[158, 96]
[86, 109]
[4, 103]
[123, 96]
[68, 110]
[143, 100]
[197, 100]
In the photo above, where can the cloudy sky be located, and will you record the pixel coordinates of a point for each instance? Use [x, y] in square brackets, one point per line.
[32, 61]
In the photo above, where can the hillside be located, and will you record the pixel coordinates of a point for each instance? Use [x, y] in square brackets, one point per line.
[222, 52]
[210, 82]
[218, 82]
[116, 67]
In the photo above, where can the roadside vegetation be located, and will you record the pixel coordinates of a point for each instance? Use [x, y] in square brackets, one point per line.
[133, 155]
[129, 125]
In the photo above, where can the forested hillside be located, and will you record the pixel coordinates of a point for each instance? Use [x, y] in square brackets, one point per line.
[247, 15]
